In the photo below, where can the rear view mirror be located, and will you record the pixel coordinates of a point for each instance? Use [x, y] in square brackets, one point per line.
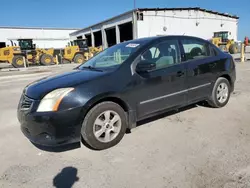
[145, 66]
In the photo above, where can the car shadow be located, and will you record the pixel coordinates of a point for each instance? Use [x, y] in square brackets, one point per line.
[170, 113]
[58, 149]
[66, 178]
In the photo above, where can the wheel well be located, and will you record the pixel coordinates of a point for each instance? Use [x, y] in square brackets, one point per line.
[115, 100]
[16, 54]
[228, 78]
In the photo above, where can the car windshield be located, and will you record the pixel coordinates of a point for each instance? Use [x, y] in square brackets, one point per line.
[113, 56]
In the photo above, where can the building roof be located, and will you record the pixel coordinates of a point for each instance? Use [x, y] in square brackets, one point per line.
[125, 13]
[45, 28]
[190, 8]
[159, 9]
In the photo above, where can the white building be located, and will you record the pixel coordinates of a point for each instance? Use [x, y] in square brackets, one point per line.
[42, 37]
[147, 22]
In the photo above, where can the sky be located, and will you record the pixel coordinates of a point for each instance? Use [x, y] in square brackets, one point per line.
[82, 13]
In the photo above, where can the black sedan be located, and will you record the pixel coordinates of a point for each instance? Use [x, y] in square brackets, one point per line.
[102, 98]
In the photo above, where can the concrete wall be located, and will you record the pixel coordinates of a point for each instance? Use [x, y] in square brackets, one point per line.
[194, 23]
[43, 38]
[111, 23]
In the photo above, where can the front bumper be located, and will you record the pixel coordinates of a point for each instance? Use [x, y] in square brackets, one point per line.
[51, 128]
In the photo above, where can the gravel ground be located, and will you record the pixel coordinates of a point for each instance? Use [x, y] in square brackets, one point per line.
[197, 147]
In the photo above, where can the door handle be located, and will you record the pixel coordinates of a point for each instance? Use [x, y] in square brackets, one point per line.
[180, 74]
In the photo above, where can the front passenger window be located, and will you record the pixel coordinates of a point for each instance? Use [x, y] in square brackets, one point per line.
[163, 54]
[195, 49]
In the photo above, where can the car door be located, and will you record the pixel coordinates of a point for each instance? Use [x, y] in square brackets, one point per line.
[163, 87]
[200, 63]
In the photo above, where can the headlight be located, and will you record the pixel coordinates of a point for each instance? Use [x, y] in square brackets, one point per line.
[52, 100]
[16, 49]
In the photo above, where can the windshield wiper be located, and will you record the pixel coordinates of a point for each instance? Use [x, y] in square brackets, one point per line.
[91, 68]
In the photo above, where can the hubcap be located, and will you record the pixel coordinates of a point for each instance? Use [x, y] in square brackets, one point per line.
[107, 126]
[20, 61]
[222, 93]
[80, 60]
[47, 60]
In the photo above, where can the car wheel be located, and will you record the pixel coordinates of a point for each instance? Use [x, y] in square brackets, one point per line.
[104, 125]
[220, 94]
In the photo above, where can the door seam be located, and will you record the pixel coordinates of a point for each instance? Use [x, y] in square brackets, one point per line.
[175, 93]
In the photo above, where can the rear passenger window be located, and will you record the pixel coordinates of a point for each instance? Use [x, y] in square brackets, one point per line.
[195, 49]
[163, 54]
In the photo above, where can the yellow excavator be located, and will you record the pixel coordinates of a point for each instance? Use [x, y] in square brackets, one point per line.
[222, 40]
[77, 51]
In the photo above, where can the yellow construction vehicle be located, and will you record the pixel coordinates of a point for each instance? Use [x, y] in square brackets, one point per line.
[26, 51]
[222, 40]
[13, 55]
[78, 51]
[36, 55]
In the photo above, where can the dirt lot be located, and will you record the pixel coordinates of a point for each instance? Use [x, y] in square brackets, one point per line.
[198, 147]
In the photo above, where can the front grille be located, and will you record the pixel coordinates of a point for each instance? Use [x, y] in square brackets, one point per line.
[26, 102]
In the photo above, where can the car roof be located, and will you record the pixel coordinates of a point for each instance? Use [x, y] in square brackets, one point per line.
[150, 39]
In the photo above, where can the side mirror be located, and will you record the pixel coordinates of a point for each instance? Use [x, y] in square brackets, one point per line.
[34, 45]
[145, 66]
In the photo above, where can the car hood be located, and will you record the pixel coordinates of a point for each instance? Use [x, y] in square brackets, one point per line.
[39, 88]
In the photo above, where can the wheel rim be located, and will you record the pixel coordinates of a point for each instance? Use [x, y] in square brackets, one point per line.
[222, 92]
[47, 60]
[19, 61]
[80, 60]
[107, 126]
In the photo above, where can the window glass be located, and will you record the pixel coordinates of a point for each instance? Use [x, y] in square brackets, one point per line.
[195, 49]
[213, 51]
[163, 55]
[114, 56]
[26, 44]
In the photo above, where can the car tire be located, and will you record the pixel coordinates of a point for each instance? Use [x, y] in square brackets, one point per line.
[79, 58]
[220, 94]
[104, 125]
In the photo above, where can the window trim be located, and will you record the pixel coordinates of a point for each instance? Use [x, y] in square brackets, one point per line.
[155, 45]
[214, 52]
[185, 60]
